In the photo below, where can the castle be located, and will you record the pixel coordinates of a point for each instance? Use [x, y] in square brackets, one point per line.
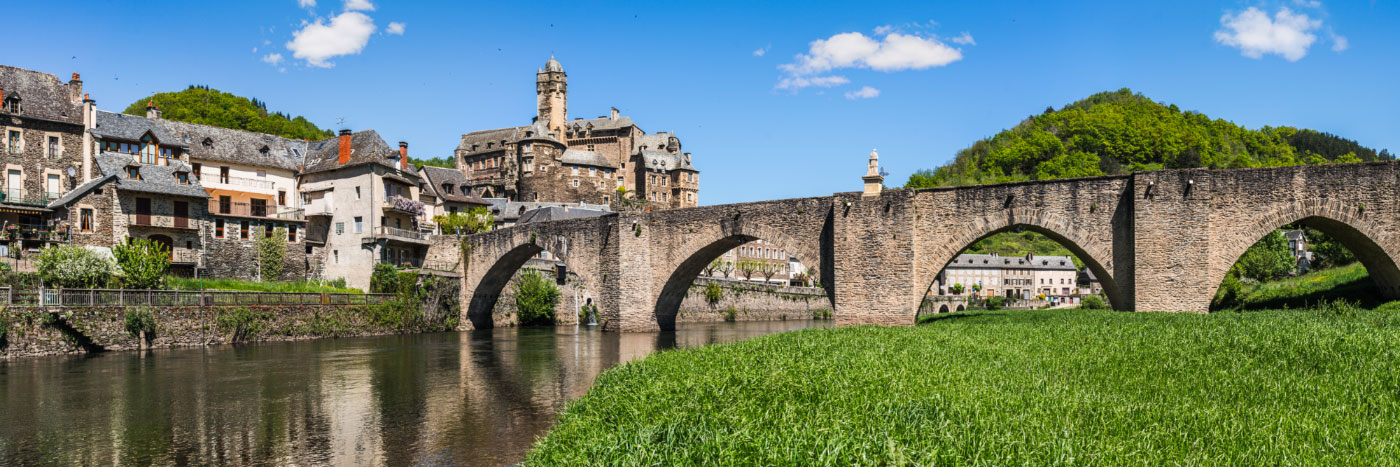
[596, 161]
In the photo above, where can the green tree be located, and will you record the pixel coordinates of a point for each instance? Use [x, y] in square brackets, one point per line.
[747, 268]
[957, 289]
[205, 106]
[1327, 251]
[1267, 259]
[143, 263]
[272, 251]
[384, 279]
[73, 267]
[535, 298]
[476, 220]
[444, 162]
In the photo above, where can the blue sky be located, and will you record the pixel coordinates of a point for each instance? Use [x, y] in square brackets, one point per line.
[947, 73]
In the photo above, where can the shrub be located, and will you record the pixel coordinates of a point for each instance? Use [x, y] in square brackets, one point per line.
[1231, 292]
[1339, 307]
[140, 320]
[143, 263]
[240, 324]
[1092, 302]
[535, 298]
[1268, 259]
[272, 251]
[713, 293]
[338, 283]
[73, 267]
[821, 313]
[731, 314]
[994, 303]
[385, 279]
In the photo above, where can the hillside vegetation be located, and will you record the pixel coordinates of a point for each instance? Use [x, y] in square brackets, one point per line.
[1120, 132]
[205, 106]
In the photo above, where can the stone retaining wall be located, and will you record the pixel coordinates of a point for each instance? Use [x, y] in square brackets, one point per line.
[752, 302]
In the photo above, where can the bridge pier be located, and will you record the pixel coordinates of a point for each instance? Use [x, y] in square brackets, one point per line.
[873, 249]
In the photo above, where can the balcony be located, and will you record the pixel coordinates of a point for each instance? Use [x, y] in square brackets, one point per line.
[166, 222]
[241, 182]
[420, 264]
[389, 233]
[404, 205]
[260, 211]
[28, 198]
[34, 232]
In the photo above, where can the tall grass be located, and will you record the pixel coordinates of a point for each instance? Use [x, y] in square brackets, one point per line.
[1350, 282]
[181, 283]
[997, 388]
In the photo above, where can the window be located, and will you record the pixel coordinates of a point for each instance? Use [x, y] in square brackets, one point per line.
[262, 173]
[182, 214]
[85, 219]
[53, 146]
[195, 167]
[182, 177]
[267, 230]
[605, 200]
[143, 211]
[54, 188]
[14, 105]
[243, 230]
[357, 192]
[165, 155]
[575, 169]
[133, 173]
[339, 228]
[291, 234]
[281, 197]
[14, 142]
[336, 254]
[575, 183]
[218, 228]
[223, 174]
[359, 224]
[592, 172]
[601, 186]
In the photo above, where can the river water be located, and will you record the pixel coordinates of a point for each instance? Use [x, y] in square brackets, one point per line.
[471, 398]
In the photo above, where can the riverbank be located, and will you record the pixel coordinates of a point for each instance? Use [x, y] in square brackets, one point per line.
[1039, 387]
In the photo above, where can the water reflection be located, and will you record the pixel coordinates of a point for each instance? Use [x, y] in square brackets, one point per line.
[476, 398]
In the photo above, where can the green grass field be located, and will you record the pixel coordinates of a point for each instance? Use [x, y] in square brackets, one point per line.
[1350, 282]
[1317, 387]
[180, 283]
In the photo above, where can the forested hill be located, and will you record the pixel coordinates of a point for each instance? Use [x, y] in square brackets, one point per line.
[1119, 132]
[199, 104]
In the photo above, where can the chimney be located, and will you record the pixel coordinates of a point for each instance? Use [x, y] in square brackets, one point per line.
[75, 88]
[613, 116]
[152, 112]
[344, 146]
[2, 93]
[403, 155]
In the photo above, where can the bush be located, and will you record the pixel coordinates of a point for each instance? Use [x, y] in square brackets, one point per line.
[713, 293]
[272, 251]
[821, 313]
[73, 267]
[385, 279]
[140, 320]
[994, 303]
[240, 324]
[1092, 302]
[1268, 259]
[143, 263]
[1231, 292]
[338, 283]
[535, 298]
[1339, 307]
[731, 314]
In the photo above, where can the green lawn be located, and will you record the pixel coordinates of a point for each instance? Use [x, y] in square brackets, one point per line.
[1350, 282]
[1010, 387]
[180, 283]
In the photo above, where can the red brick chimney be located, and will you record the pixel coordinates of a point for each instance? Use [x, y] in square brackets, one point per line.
[344, 146]
[403, 155]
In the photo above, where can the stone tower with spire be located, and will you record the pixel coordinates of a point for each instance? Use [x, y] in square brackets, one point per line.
[552, 89]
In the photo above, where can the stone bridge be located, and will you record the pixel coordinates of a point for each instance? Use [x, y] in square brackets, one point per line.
[1158, 241]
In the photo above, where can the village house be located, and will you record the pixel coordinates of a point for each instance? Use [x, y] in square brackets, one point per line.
[42, 139]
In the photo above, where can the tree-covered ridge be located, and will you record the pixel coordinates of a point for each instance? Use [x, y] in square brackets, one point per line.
[1119, 132]
[205, 106]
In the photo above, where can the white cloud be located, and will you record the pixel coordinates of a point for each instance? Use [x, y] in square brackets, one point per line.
[1287, 34]
[865, 92]
[761, 52]
[882, 30]
[306, 3]
[395, 27]
[1339, 43]
[963, 39]
[346, 34]
[272, 58]
[895, 52]
[353, 5]
[1308, 3]
[799, 82]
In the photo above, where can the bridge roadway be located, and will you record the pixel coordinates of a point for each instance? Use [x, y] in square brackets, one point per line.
[1158, 240]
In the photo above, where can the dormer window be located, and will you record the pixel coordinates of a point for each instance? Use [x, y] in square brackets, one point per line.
[207, 143]
[133, 172]
[264, 150]
[13, 104]
[182, 177]
[447, 187]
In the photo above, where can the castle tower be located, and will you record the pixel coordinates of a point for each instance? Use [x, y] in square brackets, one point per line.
[874, 182]
[552, 89]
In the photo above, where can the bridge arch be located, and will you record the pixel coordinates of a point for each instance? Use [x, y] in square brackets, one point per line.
[704, 245]
[1374, 247]
[500, 258]
[1096, 253]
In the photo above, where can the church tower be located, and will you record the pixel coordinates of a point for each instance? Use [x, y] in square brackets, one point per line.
[552, 88]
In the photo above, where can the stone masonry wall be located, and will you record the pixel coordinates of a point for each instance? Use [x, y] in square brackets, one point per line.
[752, 302]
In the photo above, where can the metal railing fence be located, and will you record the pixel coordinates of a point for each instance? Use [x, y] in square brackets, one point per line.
[131, 297]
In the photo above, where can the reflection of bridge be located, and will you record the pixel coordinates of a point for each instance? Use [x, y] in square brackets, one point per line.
[1158, 241]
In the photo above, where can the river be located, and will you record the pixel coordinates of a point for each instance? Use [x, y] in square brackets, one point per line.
[470, 398]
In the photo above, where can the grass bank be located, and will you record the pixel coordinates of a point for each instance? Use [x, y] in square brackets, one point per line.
[1010, 387]
[181, 283]
[1350, 282]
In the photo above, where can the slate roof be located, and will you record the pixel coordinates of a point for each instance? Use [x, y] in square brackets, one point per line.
[366, 147]
[968, 260]
[553, 65]
[654, 142]
[74, 194]
[665, 161]
[554, 213]
[131, 128]
[237, 146]
[437, 176]
[41, 95]
[504, 209]
[156, 179]
[589, 158]
[603, 123]
[480, 138]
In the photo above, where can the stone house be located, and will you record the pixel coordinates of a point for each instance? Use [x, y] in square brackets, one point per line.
[443, 194]
[41, 139]
[361, 204]
[584, 160]
[1009, 276]
[768, 255]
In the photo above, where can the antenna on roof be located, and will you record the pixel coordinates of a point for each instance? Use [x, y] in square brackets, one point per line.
[340, 122]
